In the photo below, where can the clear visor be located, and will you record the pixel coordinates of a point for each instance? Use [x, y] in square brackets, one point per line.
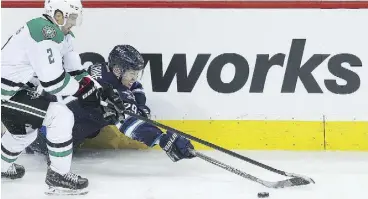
[74, 20]
[70, 21]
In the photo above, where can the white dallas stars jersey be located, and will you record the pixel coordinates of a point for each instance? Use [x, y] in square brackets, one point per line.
[39, 48]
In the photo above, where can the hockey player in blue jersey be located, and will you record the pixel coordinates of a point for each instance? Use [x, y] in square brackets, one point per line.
[118, 77]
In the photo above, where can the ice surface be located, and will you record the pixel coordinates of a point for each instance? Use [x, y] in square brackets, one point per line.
[132, 174]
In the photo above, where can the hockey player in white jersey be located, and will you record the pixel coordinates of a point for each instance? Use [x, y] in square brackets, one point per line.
[43, 48]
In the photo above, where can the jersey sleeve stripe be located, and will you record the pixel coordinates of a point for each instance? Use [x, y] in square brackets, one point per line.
[55, 81]
[57, 88]
[80, 76]
[138, 91]
[76, 72]
[9, 88]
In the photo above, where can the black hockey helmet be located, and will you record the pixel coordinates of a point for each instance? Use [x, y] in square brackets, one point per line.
[126, 57]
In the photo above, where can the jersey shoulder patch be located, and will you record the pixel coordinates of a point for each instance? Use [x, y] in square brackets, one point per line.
[41, 29]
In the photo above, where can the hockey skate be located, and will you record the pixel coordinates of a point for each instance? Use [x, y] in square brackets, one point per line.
[68, 184]
[15, 171]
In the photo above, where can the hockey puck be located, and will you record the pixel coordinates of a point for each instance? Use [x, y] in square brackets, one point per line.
[263, 194]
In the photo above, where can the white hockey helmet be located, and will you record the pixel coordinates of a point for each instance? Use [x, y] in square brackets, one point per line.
[71, 9]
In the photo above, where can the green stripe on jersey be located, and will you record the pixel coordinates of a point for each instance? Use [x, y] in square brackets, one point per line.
[80, 76]
[65, 83]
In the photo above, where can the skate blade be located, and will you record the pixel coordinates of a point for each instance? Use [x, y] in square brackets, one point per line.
[64, 191]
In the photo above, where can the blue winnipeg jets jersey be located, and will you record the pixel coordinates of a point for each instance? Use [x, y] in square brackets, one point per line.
[88, 122]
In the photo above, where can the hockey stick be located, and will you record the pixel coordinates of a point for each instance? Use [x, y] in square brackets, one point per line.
[296, 180]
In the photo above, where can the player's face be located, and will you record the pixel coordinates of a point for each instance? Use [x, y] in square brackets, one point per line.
[129, 77]
[59, 18]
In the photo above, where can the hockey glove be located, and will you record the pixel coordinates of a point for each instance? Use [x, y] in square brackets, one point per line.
[110, 115]
[176, 146]
[112, 97]
[144, 111]
[88, 95]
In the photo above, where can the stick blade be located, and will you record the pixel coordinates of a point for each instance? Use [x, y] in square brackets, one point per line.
[297, 181]
[292, 182]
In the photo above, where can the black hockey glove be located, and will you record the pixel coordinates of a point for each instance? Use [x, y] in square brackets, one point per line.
[110, 115]
[113, 107]
[112, 97]
[176, 146]
[144, 111]
[88, 95]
